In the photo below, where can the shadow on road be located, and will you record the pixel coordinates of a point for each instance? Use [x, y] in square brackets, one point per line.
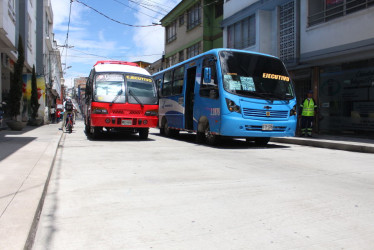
[224, 143]
[118, 136]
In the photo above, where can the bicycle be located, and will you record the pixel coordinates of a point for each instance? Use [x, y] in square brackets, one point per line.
[69, 123]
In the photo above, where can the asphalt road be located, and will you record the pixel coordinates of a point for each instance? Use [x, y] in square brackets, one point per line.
[120, 192]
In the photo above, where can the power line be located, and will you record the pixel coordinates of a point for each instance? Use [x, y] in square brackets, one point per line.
[133, 8]
[141, 5]
[112, 58]
[126, 24]
[152, 5]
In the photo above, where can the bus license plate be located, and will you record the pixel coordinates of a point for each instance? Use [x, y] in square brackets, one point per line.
[267, 127]
[126, 122]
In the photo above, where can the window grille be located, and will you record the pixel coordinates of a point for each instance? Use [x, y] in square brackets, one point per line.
[287, 32]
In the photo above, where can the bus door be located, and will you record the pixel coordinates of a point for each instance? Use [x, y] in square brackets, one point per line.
[208, 103]
[189, 98]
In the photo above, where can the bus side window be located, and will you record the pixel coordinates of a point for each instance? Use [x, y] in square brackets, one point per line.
[178, 81]
[209, 89]
[167, 86]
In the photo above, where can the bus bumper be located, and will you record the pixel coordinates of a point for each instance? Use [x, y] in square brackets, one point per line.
[246, 128]
[123, 122]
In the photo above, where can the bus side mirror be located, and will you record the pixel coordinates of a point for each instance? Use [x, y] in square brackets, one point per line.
[207, 75]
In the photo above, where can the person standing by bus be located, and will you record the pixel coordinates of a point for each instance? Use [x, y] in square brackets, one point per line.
[308, 109]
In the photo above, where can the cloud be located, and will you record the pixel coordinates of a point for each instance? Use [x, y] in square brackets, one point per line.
[151, 41]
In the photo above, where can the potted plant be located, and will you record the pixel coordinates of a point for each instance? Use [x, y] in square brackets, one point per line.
[15, 92]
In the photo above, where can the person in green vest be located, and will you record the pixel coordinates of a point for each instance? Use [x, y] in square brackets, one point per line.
[308, 110]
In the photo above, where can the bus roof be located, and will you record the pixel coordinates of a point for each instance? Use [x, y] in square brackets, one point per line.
[214, 52]
[120, 67]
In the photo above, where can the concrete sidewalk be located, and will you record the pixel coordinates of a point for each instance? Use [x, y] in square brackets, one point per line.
[26, 160]
[331, 142]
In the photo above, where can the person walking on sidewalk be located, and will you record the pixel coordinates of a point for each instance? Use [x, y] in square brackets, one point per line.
[308, 109]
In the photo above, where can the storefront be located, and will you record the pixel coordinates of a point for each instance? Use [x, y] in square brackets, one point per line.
[346, 99]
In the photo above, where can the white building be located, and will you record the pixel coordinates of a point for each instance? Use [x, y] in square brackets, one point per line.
[48, 58]
[327, 46]
[7, 43]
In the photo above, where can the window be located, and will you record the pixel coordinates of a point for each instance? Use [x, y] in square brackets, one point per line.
[181, 20]
[171, 32]
[167, 86]
[172, 60]
[12, 10]
[194, 50]
[178, 81]
[193, 17]
[181, 56]
[108, 87]
[325, 10]
[209, 89]
[242, 34]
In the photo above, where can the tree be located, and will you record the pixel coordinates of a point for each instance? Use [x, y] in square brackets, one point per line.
[34, 96]
[15, 92]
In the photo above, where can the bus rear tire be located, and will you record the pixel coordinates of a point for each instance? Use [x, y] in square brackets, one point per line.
[143, 133]
[262, 141]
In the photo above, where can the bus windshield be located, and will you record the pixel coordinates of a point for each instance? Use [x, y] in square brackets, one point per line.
[109, 88]
[141, 90]
[255, 76]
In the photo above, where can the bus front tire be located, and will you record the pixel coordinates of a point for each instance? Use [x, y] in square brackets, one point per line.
[262, 141]
[210, 138]
[143, 133]
[96, 132]
[169, 132]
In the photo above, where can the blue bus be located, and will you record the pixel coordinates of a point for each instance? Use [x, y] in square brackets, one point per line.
[227, 93]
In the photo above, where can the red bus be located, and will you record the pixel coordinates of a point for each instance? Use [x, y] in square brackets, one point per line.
[120, 96]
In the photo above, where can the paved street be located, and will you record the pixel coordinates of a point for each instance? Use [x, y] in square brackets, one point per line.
[125, 193]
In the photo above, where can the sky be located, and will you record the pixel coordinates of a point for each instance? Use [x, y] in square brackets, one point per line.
[90, 36]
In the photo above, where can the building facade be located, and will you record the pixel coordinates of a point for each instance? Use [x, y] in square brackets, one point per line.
[33, 21]
[191, 28]
[8, 22]
[327, 45]
[48, 57]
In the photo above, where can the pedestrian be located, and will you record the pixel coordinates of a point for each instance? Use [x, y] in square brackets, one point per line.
[308, 109]
[53, 114]
[58, 115]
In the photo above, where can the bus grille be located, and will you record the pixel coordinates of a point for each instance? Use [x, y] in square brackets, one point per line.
[259, 128]
[262, 113]
[126, 112]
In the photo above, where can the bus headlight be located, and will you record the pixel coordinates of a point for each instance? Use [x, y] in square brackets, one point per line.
[232, 107]
[293, 111]
[151, 113]
[99, 111]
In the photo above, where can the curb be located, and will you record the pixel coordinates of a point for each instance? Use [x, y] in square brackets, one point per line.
[34, 226]
[347, 146]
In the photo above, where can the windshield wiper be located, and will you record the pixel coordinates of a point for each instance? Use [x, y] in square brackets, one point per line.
[136, 98]
[116, 97]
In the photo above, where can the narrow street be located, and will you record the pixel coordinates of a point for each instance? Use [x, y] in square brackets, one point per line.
[121, 192]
